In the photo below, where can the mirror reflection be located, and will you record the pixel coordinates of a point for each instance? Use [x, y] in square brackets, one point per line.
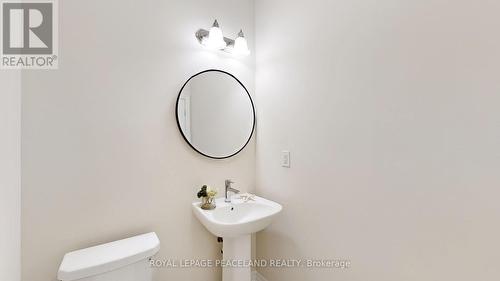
[215, 114]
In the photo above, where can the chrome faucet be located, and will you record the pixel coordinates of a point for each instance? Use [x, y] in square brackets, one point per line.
[229, 189]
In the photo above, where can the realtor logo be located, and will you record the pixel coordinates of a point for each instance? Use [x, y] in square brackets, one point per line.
[29, 33]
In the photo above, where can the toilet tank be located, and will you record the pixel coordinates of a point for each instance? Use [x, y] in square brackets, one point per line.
[122, 260]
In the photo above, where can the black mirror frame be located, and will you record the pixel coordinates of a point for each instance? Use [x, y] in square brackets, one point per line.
[179, 124]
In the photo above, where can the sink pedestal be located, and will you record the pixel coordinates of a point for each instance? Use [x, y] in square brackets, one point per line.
[237, 250]
[235, 222]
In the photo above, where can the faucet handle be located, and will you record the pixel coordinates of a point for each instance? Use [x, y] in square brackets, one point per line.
[229, 182]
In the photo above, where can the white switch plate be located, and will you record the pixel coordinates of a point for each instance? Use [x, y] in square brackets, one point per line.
[285, 159]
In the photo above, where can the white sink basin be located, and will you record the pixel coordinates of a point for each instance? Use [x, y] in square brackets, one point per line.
[238, 217]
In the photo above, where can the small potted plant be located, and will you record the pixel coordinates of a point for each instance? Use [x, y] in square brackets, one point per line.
[207, 195]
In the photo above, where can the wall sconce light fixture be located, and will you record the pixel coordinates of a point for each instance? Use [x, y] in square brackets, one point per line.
[214, 39]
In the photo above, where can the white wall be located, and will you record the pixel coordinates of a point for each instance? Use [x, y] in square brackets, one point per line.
[102, 154]
[10, 175]
[390, 109]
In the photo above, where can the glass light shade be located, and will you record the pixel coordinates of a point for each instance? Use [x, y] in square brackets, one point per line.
[215, 39]
[241, 46]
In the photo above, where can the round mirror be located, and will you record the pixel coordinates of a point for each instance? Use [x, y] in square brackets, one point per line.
[215, 114]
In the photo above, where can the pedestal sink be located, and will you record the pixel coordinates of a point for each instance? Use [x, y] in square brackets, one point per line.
[235, 222]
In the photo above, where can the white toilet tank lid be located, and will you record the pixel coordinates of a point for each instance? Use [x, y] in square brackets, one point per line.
[107, 257]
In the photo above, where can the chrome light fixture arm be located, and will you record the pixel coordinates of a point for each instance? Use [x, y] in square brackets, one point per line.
[203, 33]
[214, 39]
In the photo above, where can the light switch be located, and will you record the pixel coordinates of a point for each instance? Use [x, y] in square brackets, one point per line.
[285, 159]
